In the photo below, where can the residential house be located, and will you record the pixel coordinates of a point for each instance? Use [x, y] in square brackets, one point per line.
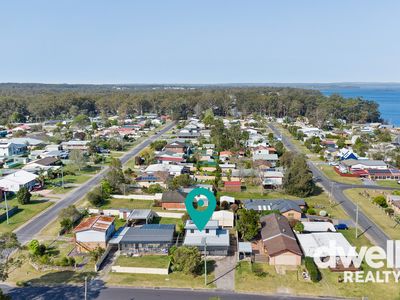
[291, 209]
[272, 179]
[232, 186]
[345, 154]
[394, 202]
[334, 242]
[279, 241]
[174, 170]
[146, 239]
[10, 149]
[169, 157]
[13, 182]
[173, 200]
[176, 147]
[351, 165]
[75, 145]
[93, 232]
[225, 155]
[213, 239]
[145, 180]
[43, 164]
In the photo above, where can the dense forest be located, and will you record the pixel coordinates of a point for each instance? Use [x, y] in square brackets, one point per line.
[35, 102]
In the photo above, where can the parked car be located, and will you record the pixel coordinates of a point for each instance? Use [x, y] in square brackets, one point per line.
[341, 227]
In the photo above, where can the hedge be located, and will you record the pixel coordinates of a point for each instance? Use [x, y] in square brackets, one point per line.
[312, 269]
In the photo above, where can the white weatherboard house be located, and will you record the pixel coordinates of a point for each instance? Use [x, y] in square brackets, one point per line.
[212, 237]
[93, 232]
[10, 149]
[14, 181]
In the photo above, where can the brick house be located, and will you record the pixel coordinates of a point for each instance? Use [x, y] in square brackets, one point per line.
[173, 200]
[232, 186]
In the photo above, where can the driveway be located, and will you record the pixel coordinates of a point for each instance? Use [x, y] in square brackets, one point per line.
[225, 273]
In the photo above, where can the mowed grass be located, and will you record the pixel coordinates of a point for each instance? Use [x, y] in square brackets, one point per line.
[388, 183]
[25, 213]
[267, 280]
[172, 280]
[376, 214]
[146, 261]
[331, 174]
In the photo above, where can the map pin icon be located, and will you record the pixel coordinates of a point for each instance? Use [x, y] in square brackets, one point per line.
[200, 217]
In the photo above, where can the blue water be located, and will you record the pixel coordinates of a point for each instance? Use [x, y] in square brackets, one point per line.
[388, 99]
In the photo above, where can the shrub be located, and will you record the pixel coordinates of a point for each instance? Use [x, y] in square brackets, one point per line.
[381, 201]
[311, 211]
[312, 269]
[24, 196]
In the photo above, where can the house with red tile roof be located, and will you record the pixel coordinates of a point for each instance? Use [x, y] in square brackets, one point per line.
[93, 232]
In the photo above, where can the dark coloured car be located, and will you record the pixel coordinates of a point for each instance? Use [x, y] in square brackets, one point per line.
[341, 227]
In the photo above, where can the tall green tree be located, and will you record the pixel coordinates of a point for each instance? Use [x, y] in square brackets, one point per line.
[248, 224]
[298, 179]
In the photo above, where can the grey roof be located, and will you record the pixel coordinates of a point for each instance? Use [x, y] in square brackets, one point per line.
[365, 162]
[150, 233]
[173, 197]
[281, 205]
[140, 214]
[212, 224]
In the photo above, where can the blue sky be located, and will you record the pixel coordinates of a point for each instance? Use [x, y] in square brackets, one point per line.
[166, 41]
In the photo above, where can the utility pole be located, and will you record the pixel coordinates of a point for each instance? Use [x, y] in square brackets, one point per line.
[205, 261]
[85, 287]
[5, 200]
[62, 177]
[357, 220]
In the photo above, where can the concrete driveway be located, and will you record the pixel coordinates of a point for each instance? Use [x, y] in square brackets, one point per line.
[225, 273]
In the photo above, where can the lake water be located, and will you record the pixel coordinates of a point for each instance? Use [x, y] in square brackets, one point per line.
[388, 99]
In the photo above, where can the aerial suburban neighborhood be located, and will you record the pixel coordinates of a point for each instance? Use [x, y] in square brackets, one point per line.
[199, 150]
[90, 197]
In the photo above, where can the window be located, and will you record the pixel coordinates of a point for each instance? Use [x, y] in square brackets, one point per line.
[207, 230]
[191, 230]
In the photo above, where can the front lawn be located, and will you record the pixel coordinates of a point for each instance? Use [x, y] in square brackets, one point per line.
[263, 278]
[146, 261]
[25, 213]
[172, 280]
[331, 174]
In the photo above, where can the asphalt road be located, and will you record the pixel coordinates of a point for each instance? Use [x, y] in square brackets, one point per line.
[99, 291]
[33, 227]
[367, 226]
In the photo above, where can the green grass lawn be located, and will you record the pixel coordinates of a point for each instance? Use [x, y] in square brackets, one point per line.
[25, 213]
[146, 261]
[331, 174]
[172, 280]
[388, 183]
[267, 280]
[128, 203]
[376, 214]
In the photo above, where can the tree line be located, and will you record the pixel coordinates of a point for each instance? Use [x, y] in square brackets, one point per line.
[28, 104]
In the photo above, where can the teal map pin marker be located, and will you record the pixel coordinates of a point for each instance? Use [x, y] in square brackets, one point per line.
[200, 217]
